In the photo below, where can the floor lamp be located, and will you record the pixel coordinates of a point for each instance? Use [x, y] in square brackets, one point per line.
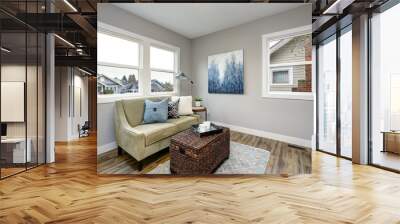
[181, 76]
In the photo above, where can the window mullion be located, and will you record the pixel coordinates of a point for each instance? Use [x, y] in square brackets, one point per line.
[146, 72]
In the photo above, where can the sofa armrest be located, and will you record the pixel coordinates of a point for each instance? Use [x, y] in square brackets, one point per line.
[132, 142]
[127, 138]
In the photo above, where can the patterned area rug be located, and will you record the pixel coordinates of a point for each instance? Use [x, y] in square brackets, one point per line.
[243, 159]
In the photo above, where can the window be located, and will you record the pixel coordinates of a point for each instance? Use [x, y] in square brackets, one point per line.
[327, 95]
[162, 66]
[282, 76]
[133, 65]
[385, 88]
[345, 93]
[394, 102]
[287, 64]
[118, 65]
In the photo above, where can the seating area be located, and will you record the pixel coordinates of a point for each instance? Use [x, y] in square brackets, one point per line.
[142, 140]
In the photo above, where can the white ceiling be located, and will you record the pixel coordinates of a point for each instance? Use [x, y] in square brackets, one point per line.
[193, 20]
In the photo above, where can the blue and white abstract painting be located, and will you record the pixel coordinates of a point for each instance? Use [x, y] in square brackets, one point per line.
[225, 72]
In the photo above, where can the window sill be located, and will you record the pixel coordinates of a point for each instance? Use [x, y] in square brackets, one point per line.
[103, 99]
[281, 84]
[290, 96]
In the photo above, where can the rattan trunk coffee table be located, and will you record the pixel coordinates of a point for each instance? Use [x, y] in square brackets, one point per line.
[194, 155]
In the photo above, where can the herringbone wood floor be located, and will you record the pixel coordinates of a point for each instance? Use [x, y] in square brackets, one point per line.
[70, 191]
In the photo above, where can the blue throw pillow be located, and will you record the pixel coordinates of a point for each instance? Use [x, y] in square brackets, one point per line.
[155, 112]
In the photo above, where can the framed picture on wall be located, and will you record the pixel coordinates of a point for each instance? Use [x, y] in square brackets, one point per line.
[225, 72]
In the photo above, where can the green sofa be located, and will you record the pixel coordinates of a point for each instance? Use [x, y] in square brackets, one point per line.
[142, 140]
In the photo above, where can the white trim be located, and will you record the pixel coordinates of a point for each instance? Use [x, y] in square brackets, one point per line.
[117, 65]
[162, 70]
[265, 90]
[289, 95]
[280, 69]
[106, 148]
[270, 135]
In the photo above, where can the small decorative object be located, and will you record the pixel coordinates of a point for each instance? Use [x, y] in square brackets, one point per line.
[225, 72]
[197, 101]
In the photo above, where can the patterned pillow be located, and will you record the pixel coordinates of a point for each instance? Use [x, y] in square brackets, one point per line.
[173, 109]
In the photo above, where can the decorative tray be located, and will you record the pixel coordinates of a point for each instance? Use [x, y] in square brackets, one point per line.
[214, 129]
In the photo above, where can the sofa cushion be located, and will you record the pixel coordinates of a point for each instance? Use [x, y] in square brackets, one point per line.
[183, 122]
[155, 111]
[156, 132]
[173, 109]
[185, 104]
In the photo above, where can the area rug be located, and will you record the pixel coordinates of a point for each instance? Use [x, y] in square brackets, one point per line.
[243, 159]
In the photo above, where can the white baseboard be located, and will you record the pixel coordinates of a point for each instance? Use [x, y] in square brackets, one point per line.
[106, 148]
[270, 135]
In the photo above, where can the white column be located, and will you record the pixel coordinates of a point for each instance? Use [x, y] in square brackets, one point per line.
[50, 101]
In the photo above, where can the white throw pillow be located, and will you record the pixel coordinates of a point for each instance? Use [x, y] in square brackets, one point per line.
[185, 104]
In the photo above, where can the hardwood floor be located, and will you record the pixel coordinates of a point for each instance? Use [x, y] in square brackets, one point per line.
[70, 191]
[284, 159]
[387, 159]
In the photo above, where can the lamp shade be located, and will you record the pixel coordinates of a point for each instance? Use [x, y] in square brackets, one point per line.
[181, 75]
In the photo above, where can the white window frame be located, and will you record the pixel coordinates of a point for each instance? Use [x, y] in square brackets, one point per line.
[266, 66]
[174, 71]
[144, 63]
[280, 69]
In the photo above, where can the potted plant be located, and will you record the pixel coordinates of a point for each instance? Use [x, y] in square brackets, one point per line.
[197, 101]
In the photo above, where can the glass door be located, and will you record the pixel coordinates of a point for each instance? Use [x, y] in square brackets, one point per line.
[385, 89]
[22, 101]
[334, 94]
[346, 92]
[327, 96]
[14, 153]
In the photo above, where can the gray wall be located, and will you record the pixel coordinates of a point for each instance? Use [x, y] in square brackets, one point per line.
[280, 116]
[66, 121]
[117, 17]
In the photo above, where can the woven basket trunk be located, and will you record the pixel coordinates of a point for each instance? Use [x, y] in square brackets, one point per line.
[192, 155]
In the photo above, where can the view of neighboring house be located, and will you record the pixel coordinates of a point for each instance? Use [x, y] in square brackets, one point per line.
[289, 68]
[158, 86]
[108, 85]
